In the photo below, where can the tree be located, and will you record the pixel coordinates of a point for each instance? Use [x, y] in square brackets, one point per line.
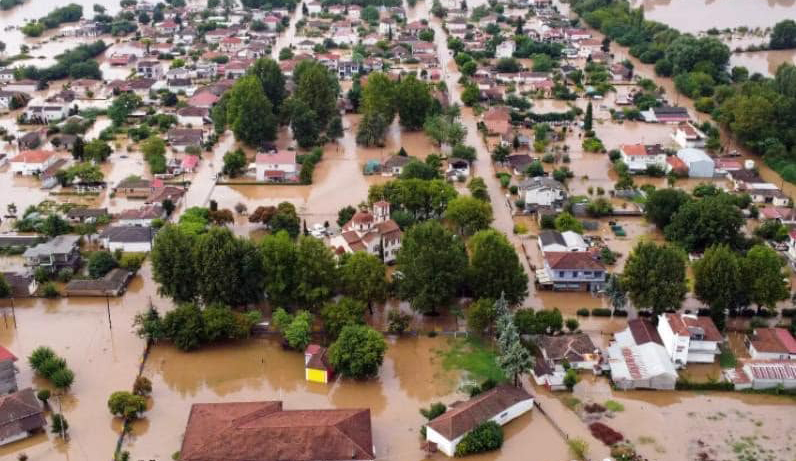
[122, 106]
[126, 404]
[470, 95]
[372, 129]
[272, 80]
[44, 396]
[185, 327]
[469, 214]
[316, 272]
[379, 97]
[717, 281]
[296, 329]
[662, 204]
[613, 290]
[572, 325]
[305, 125]
[432, 264]
[97, 150]
[480, 315]
[570, 379]
[358, 352]
[587, 120]
[566, 222]
[486, 436]
[335, 128]
[59, 425]
[336, 315]
[345, 214]
[317, 88]
[100, 263]
[279, 257]
[783, 36]
[414, 102]
[54, 225]
[478, 188]
[495, 268]
[709, 221]
[250, 112]
[5, 288]
[654, 277]
[228, 269]
[78, 149]
[142, 386]
[364, 277]
[234, 163]
[286, 219]
[514, 358]
[763, 277]
[173, 263]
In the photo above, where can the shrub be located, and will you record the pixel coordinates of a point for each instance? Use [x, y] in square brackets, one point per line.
[43, 395]
[601, 312]
[49, 290]
[65, 274]
[485, 437]
[520, 228]
[578, 448]
[63, 378]
[397, 321]
[583, 312]
[132, 261]
[100, 263]
[126, 404]
[605, 434]
[142, 386]
[613, 405]
[433, 411]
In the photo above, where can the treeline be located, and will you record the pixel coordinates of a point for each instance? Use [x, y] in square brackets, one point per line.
[267, 5]
[6, 5]
[69, 13]
[75, 63]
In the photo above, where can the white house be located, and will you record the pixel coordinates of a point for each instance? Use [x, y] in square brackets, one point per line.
[554, 241]
[500, 404]
[277, 167]
[135, 239]
[638, 157]
[46, 112]
[314, 7]
[686, 135]
[31, 162]
[505, 49]
[192, 116]
[764, 192]
[577, 350]
[572, 271]
[763, 374]
[542, 192]
[771, 344]
[141, 217]
[374, 233]
[22, 86]
[699, 164]
[646, 366]
[689, 339]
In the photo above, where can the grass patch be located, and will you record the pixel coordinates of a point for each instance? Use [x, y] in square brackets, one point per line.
[613, 405]
[727, 359]
[471, 355]
[570, 402]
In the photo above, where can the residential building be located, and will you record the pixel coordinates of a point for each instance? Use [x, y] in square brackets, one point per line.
[767, 193]
[576, 350]
[699, 164]
[136, 239]
[666, 114]
[646, 366]
[554, 241]
[375, 233]
[111, 284]
[150, 69]
[22, 285]
[61, 252]
[771, 344]
[572, 271]
[394, 165]
[686, 135]
[192, 116]
[689, 338]
[142, 216]
[263, 431]
[22, 86]
[542, 192]
[181, 138]
[44, 112]
[500, 404]
[505, 49]
[278, 166]
[133, 188]
[8, 374]
[638, 157]
[519, 163]
[85, 214]
[32, 162]
[316, 364]
[763, 374]
[639, 331]
[21, 416]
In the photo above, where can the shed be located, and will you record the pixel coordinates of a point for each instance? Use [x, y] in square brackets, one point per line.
[316, 364]
[699, 164]
[647, 366]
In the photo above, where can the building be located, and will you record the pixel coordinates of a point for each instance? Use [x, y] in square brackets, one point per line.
[554, 241]
[21, 416]
[763, 374]
[280, 166]
[8, 374]
[149, 69]
[689, 338]
[686, 135]
[112, 284]
[572, 271]
[577, 350]
[32, 162]
[638, 157]
[182, 138]
[46, 112]
[133, 187]
[22, 285]
[639, 331]
[85, 214]
[542, 192]
[699, 164]
[135, 239]
[666, 114]
[395, 164]
[505, 49]
[142, 216]
[375, 233]
[771, 344]
[61, 252]
[500, 404]
[263, 431]
[316, 364]
[647, 366]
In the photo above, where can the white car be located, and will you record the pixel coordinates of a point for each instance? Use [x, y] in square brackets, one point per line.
[318, 231]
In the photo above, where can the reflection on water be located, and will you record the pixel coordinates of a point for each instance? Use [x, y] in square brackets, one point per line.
[695, 15]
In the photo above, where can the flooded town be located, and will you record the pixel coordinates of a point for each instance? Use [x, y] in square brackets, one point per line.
[398, 230]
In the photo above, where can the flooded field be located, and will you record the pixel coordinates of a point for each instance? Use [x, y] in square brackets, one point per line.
[764, 62]
[699, 15]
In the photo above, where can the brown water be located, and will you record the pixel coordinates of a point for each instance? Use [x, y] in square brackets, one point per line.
[700, 15]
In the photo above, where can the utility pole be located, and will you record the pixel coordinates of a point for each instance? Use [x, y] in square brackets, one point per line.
[108, 308]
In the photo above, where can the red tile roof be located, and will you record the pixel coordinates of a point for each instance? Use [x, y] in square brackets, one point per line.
[32, 156]
[644, 331]
[262, 431]
[681, 323]
[776, 340]
[572, 260]
[5, 355]
[282, 157]
[633, 149]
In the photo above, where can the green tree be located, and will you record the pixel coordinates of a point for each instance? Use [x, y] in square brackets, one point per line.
[654, 277]
[317, 88]
[126, 404]
[173, 265]
[345, 214]
[286, 219]
[414, 102]
[495, 268]
[379, 97]
[364, 277]
[432, 264]
[97, 150]
[566, 222]
[305, 124]
[185, 327]
[717, 281]
[763, 277]
[588, 119]
[54, 225]
[709, 221]
[514, 358]
[234, 163]
[5, 288]
[486, 436]
[469, 214]
[345, 311]
[100, 263]
[279, 258]
[478, 188]
[481, 315]
[662, 204]
[571, 379]
[296, 329]
[613, 290]
[358, 352]
[272, 80]
[316, 272]
[59, 425]
[372, 130]
[783, 36]
[123, 106]
[250, 112]
[228, 269]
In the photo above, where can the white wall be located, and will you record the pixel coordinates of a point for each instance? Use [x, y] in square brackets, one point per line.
[134, 247]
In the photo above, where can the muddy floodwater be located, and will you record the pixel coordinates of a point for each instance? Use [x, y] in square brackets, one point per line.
[700, 15]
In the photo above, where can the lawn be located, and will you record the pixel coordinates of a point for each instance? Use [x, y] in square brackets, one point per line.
[727, 359]
[472, 356]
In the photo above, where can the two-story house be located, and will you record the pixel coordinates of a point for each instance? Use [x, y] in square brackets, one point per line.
[279, 166]
[542, 192]
[638, 157]
[61, 252]
[686, 135]
[689, 338]
[375, 233]
[572, 271]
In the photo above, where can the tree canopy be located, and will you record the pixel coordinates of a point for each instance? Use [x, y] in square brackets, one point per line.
[654, 277]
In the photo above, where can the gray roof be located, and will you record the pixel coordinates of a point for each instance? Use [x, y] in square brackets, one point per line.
[61, 244]
[540, 182]
[551, 237]
[128, 234]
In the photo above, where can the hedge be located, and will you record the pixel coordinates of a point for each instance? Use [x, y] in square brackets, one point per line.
[685, 385]
[485, 437]
[601, 312]
[583, 312]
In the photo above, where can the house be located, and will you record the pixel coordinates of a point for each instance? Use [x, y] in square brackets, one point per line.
[32, 162]
[133, 187]
[22, 86]
[620, 72]
[192, 116]
[500, 404]
[21, 416]
[61, 252]
[542, 192]
[162, 193]
[203, 99]
[505, 49]
[111, 284]
[763, 374]
[767, 193]
[8, 374]
[263, 431]
[314, 7]
[374, 233]
[572, 271]
[519, 163]
[646, 366]
[150, 69]
[22, 285]
[135, 239]
[686, 135]
[85, 214]
[576, 350]
[316, 364]
[46, 112]
[689, 338]
[742, 179]
[188, 163]
[699, 164]
[638, 157]
[280, 166]
[394, 165]
[121, 59]
[457, 168]
[639, 331]
[554, 241]
[771, 344]
[181, 138]
[142, 216]
[666, 114]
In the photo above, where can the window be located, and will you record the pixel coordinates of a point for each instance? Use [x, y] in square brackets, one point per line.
[574, 274]
[561, 273]
[587, 273]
